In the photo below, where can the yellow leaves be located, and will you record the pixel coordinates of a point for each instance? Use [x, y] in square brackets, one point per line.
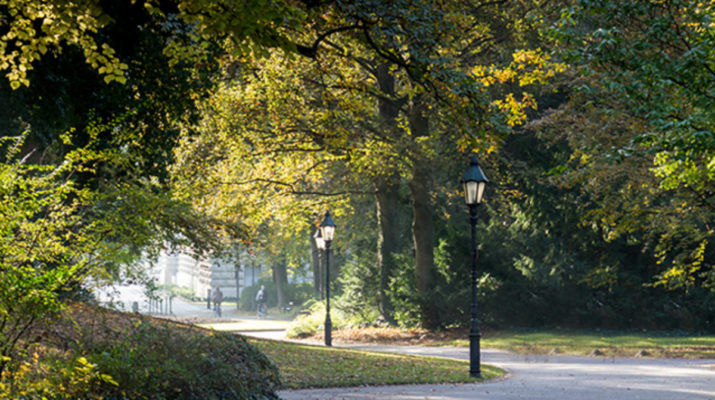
[515, 110]
[60, 23]
[528, 67]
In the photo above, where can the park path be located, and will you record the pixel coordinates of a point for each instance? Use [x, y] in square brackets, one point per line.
[543, 377]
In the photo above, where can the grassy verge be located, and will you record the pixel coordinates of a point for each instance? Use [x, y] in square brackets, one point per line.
[602, 343]
[661, 344]
[304, 366]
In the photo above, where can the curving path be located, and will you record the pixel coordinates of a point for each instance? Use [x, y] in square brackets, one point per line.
[547, 377]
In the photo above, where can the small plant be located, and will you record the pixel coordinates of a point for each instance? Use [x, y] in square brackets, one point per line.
[313, 320]
[57, 377]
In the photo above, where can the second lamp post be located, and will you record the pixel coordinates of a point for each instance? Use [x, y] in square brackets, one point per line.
[474, 182]
[327, 230]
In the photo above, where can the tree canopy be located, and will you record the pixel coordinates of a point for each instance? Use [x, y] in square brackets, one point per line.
[225, 123]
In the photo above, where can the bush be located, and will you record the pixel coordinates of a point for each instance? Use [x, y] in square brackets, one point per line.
[313, 320]
[58, 376]
[93, 353]
[181, 291]
[167, 362]
[298, 293]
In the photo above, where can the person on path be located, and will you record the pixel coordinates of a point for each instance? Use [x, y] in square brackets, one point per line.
[218, 299]
[262, 302]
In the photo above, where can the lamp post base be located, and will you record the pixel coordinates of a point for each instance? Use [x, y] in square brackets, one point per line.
[475, 336]
[328, 332]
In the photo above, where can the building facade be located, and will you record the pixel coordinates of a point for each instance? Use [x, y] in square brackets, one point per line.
[203, 275]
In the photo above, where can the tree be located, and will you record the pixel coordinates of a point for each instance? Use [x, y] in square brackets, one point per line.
[647, 68]
[55, 233]
[365, 101]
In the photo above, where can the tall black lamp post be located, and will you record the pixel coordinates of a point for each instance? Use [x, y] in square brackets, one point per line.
[327, 230]
[320, 244]
[474, 182]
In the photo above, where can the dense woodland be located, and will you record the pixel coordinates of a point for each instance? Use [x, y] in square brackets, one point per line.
[231, 127]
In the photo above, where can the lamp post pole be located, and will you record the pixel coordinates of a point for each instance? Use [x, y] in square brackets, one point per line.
[474, 333]
[328, 322]
[327, 230]
[474, 182]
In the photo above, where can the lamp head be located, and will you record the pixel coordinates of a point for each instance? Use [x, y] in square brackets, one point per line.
[474, 182]
[327, 227]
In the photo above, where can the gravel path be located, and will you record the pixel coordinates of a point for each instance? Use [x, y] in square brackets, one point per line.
[548, 377]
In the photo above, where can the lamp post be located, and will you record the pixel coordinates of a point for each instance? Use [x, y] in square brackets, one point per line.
[474, 181]
[327, 230]
[320, 244]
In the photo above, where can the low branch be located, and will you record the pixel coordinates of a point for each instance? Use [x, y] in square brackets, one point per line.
[312, 51]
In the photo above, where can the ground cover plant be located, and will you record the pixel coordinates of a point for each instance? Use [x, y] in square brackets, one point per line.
[94, 353]
[307, 366]
[599, 343]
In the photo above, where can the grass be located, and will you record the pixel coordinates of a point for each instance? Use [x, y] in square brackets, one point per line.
[615, 344]
[305, 366]
[593, 342]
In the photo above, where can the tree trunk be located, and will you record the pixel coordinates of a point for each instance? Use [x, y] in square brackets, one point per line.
[280, 277]
[388, 239]
[422, 221]
[387, 196]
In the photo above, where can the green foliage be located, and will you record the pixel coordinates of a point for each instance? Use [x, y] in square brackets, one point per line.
[451, 285]
[165, 362]
[646, 73]
[45, 247]
[95, 353]
[55, 232]
[298, 293]
[312, 319]
[358, 296]
[174, 290]
[61, 377]
[35, 27]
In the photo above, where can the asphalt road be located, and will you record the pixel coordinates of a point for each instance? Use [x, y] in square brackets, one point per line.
[548, 377]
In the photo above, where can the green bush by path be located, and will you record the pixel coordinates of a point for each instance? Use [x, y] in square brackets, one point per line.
[304, 366]
[94, 353]
[164, 362]
[312, 320]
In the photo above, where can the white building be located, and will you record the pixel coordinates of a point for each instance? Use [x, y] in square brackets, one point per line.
[201, 275]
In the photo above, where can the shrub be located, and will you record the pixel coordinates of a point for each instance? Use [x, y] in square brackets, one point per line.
[60, 376]
[169, 362]
[298, 293]
[313, 320]
[93, 353]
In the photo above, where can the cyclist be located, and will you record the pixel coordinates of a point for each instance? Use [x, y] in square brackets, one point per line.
[262, 302]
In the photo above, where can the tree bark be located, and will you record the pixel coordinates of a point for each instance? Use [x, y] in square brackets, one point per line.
[280, 278]
[387, 196]
[422, 220]
[388, 239]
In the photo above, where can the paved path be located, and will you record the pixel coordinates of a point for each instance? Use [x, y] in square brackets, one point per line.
[545, 377]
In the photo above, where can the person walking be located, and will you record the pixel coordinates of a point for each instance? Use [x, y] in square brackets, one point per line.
[261, 300]
[218, 299]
